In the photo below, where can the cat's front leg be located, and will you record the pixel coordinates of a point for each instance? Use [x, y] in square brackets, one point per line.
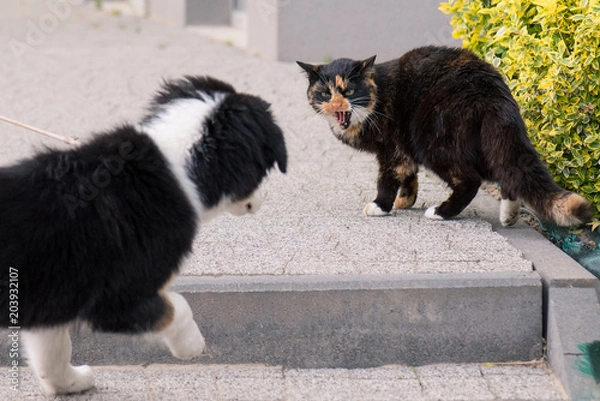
[397, 186]
[387, 188]
[49, 354]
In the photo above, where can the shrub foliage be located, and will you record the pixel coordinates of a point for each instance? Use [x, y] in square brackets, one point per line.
[548, 52]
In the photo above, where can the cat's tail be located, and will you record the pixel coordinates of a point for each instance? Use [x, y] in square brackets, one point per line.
[569, 209]
[522, 176]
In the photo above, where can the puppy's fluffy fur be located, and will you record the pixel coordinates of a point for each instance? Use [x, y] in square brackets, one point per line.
[94, 234]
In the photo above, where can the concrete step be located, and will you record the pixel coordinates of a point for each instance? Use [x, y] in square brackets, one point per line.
[346, 321]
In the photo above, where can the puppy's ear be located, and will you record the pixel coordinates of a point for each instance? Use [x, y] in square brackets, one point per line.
[312, 71]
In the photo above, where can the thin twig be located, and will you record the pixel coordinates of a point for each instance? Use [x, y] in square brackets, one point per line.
[69, 140]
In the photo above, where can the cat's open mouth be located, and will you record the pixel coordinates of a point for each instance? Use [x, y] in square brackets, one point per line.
[343, 118]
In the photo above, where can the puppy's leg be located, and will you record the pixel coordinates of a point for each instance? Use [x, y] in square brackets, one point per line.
[49, 354]
[178, 330]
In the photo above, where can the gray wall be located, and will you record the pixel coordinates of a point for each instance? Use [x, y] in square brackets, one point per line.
[208, 12]
[313, 30]
[170, 12]
[191, 12]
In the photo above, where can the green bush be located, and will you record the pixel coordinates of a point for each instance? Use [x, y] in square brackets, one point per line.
[548, 52]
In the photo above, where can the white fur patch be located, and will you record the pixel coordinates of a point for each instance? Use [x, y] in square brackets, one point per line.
[509, 212]
[175, 130]
[182, 336]
[249, 205]
[372, 209]
[431, 214]
[49, 354]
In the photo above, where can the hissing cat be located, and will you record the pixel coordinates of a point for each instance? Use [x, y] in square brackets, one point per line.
[449, 111]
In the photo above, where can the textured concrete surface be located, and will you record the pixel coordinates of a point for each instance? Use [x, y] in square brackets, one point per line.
[556, 268]
[74, 72]
[480, 382]
[574, 322]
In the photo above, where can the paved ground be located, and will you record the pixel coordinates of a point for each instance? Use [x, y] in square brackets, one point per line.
[92, 72]
[258, 383]
[84, 71]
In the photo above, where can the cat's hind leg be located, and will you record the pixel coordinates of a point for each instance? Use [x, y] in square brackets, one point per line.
[509, 211]
[179, 331]
[49, 354]
[397, 186]
[462, 194]
[407, 194]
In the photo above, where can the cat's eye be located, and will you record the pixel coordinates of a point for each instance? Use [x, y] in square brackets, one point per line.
[349, 92]
[325, 94]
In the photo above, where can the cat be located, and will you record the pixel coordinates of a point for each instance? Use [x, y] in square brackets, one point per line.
[94, 234]
[449, 111]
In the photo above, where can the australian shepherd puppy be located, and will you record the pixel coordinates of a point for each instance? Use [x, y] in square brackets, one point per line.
[94, 234]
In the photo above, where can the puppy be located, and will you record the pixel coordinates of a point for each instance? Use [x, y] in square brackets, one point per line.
[94, 234]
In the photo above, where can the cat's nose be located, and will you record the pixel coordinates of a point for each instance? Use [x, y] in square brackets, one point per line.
[337, 103]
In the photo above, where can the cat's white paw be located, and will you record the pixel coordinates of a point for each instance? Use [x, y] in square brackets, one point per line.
[509, 212]
[74, 380]
[431, 214]
[372, 209]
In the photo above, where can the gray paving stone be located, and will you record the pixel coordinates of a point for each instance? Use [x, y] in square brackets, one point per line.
[456, 389]
[249, 384]
[526, 387]
[456, 371]
[262, 383]
[317, 385]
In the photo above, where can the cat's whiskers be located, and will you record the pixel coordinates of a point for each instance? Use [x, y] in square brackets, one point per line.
[368, 116]
[377, 114]
[319, 113]
[360, 99]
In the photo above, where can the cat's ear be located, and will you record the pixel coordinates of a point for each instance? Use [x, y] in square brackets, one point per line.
[360, 66]
[368, 63]
[311, 70]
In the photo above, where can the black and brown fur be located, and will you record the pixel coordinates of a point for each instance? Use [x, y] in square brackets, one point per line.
[447, 110]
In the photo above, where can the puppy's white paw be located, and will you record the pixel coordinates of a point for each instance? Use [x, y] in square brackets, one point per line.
[74, 380]
[183, 336]
[84, 378]
[431, 214]
[372, 209]
[191, 343]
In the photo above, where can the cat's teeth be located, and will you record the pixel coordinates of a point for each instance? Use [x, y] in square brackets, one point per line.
[343, 118]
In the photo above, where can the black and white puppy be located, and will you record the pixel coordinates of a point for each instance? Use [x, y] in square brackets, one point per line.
[94, 234]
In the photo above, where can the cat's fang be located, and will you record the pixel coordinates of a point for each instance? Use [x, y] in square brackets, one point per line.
[343, 118]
